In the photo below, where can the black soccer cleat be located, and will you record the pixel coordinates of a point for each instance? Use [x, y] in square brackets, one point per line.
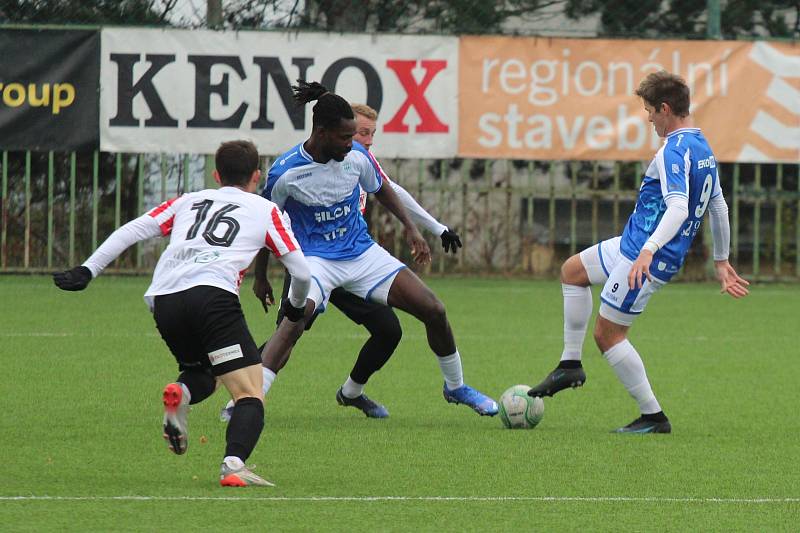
[557, 380]
[643, 425]
[368, 407]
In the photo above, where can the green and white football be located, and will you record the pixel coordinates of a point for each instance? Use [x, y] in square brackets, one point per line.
[520, 411]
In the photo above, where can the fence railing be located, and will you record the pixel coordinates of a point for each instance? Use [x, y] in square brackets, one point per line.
[515, 217]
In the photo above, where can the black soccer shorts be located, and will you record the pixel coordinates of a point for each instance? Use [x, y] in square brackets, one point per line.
[354, 307]
[204, 326]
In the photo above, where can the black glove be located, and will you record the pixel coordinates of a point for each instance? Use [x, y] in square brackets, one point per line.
[75, 279]
[291, 312]
[450, 241]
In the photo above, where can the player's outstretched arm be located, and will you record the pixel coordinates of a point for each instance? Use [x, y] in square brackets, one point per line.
[730, 281]
[450, 239]
[77, 278]
[419, 247]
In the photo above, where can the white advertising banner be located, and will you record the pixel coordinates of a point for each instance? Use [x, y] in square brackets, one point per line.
[186, 91]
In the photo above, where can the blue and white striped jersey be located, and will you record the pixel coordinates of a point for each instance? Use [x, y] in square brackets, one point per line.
[684, 165]
[322, 200]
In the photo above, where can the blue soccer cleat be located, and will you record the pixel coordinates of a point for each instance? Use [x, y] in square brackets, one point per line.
[480, 403]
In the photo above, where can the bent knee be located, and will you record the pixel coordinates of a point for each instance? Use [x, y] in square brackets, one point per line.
[574, 273]
[435, 311]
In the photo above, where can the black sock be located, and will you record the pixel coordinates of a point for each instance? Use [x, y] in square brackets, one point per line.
[385, 335]
[569, 363]
[656, 417]
[201, 383]
[244, 428]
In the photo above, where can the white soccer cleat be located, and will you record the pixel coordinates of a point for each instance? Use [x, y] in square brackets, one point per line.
[176, 409]
[241, 477]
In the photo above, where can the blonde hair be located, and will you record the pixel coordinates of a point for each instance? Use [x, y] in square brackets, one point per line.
[365, 110]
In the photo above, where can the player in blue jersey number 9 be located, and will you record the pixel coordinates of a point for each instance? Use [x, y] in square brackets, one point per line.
[679, 185]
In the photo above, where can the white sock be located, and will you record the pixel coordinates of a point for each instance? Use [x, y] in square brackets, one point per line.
[187, 396]
[233, 462]
[451, 370]
[577, 312]
[269, 377]
[351, 389]
[629, 368]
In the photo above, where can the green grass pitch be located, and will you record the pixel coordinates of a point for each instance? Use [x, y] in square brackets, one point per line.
[81, 447]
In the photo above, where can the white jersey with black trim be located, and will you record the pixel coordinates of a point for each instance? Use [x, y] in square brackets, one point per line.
[322, 200]
[214, 236]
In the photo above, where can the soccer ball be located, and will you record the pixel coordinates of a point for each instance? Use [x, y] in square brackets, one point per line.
[520, 411]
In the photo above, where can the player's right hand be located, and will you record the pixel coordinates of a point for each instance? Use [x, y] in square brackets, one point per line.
[263, 291]
[450, 240]
[420, 250]
[731, 282]
[75, 279]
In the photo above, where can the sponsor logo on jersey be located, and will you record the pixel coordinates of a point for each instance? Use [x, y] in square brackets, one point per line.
[206, 257]
[303, 175]
[710, 162]
[333, 214]
[676, 169]
[217, 357]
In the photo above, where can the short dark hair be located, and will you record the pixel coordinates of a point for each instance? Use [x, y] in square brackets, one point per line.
[663, 87]
[330, 108]
[236, 161]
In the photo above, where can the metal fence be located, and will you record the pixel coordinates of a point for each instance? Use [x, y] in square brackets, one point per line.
[515, 217]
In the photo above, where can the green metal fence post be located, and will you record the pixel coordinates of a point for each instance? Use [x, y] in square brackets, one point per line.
[50, 187]
[757, 223]
[186, 173]
[735, 213]
[551, 206]
[778, 217]
[118, 191]
[27, 252]
[465, 171]
[595, 206]
[440, 203]
[573, 208]
[615, 189]
[4, 214]
[95, 196]
[72, 179]
[139, 205]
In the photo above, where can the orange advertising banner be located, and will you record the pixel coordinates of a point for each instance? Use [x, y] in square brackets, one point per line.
[539, 98]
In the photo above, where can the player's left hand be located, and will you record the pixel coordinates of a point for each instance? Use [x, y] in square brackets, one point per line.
[450, 240]
[75, 279]
[263, 291]
[731, 282]
[420, 250]
[640, 269]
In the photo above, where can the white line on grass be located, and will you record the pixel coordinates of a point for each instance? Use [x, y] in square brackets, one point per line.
[554, 499]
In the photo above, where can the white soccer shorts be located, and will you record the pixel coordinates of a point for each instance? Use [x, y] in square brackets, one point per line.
[606, 265]
[369, 276]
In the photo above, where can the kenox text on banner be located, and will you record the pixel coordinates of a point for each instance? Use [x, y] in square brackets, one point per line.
[527, 98]
[48, 89]
[187, 91]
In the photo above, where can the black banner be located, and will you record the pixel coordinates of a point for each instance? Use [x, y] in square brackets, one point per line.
[49, 82]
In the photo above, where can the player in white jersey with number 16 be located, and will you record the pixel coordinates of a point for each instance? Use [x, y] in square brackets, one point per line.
[214, 235]
[681, 182]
